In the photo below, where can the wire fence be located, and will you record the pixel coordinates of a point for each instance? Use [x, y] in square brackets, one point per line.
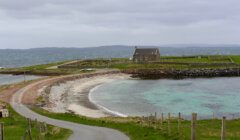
[176, 127]
[41, 127]
[171, 125]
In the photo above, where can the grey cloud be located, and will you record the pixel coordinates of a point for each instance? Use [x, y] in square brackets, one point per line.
[122, 21]
[156, 11]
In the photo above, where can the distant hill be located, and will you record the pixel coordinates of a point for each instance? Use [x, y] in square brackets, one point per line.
[24, 57]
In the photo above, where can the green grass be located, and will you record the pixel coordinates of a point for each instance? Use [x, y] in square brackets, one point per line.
[165, 62]
[206, 129]
[132, 129]
[197, 59]
[15, 126]
[235, 58]
[42, 66]
[42, 69]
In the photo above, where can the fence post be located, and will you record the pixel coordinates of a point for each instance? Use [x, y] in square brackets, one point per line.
[29, 124]
[179, 122]
[30, 134]
[155, 116]
[45, 127]
[213, 116]
[39, 130]
[193, 126]
[142, 120]
[24, 135]
[155, 120]
[35, 123]
[148, 120]
[169, 128]
[162, 118]
[1, 131]
[29, 128]
[223, 133]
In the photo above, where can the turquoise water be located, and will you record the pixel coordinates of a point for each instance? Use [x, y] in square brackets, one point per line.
[142, 97]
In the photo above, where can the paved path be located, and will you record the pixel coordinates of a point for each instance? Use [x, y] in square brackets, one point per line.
[80, 132]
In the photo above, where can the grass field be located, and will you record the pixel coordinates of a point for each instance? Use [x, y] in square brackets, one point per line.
[196, 59]
[165, 62]
[132, 129]
[235, 58]
[206, 129]
[15, 126]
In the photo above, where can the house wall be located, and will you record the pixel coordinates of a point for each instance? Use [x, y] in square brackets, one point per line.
[145, 58]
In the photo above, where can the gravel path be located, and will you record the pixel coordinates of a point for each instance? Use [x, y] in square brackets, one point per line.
[80, 132]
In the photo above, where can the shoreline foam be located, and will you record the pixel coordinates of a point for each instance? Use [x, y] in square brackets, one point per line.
[115, 113]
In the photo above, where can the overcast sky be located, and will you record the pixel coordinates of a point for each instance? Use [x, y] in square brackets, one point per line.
[86, 23]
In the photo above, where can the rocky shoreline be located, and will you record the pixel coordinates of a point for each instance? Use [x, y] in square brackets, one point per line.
[180, 74]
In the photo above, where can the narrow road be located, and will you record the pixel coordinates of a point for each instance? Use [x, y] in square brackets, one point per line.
[80, 132]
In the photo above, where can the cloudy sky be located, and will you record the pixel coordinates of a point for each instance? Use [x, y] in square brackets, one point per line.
[85, 23]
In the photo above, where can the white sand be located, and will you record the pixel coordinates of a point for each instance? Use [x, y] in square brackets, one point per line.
[84, 111]
[73, 96]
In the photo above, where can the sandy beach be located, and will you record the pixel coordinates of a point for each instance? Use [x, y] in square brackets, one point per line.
[73, 96]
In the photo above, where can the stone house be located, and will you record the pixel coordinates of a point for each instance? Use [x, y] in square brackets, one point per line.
[142, 55]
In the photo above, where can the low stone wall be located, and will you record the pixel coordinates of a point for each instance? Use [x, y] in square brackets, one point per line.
[179, 74]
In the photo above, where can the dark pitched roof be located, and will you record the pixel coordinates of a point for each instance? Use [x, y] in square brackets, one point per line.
[146, 51]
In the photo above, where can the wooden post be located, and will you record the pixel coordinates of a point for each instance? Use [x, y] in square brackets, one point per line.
[155, 120]
[29, 123]
[148, 120]
[223, 133]
[30, 134]
[39, 131]
[179, 122]
[162, 118]
[1, 131]
[193, 126]
[29, 128]
[24, 75]
[36, 123]
[25, 135]
[151, 119]
[169, 128]
[155, 116]
[45, 127]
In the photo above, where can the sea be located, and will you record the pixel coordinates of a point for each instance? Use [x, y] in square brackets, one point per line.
[26, 57]
[208, 97]
[6, 79]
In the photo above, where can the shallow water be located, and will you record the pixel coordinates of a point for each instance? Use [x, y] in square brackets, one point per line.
[142, 97]
[10, 79]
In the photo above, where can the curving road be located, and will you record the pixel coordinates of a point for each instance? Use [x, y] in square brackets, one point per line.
[80, 132]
